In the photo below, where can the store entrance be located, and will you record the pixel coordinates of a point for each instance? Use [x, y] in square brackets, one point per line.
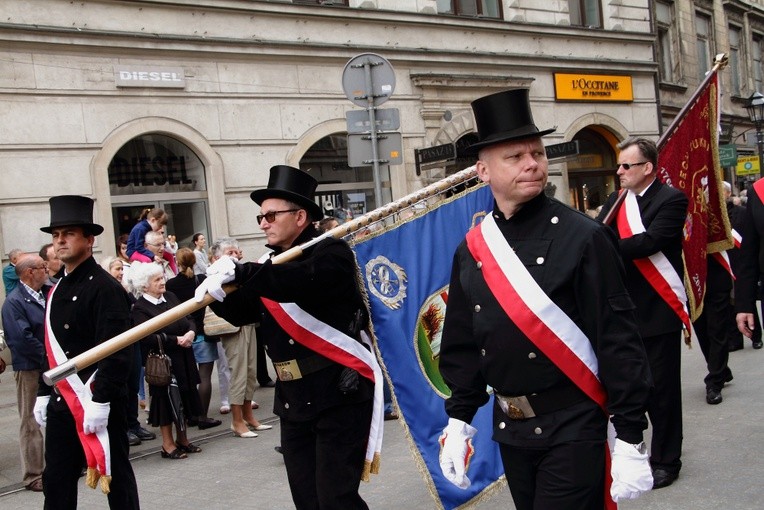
[158, 171]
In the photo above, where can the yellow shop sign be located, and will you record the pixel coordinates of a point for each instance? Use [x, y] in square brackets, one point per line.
[592, 87]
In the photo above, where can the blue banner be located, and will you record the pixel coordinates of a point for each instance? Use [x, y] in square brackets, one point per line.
[406, 270]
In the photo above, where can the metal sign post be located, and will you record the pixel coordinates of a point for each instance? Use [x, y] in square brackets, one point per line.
[368, 80]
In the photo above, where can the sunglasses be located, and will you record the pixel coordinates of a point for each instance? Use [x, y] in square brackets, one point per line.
[626, 166]
[270, 217]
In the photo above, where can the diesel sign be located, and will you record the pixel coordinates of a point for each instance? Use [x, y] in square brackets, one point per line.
[165, 77]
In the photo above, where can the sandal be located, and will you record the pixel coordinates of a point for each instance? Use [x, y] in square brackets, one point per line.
[174, 455]
[188, 448]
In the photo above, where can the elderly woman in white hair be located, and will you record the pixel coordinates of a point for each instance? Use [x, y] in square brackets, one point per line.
[177, 338]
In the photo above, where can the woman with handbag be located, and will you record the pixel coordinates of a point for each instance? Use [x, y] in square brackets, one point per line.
[175, 341]
[205, 349]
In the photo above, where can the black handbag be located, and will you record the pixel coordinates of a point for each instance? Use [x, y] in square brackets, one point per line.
[158, 367]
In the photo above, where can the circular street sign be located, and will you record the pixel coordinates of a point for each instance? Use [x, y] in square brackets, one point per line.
[354, 79]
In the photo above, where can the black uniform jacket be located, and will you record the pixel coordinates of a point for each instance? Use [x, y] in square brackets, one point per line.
[751, 256]
[663, 210]
[89, 307]
[322, 281]
[575, 261]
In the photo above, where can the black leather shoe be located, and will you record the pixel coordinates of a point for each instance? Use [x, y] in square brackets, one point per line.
[758, 344]
[713, 396]
[208, 423]
[143, 434]
[132, 439]
[662, 478]
[279, 450]
[268, 384]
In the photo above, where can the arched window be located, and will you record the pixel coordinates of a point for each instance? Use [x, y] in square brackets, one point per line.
[156, 170]
[591, 175]
[343, 192]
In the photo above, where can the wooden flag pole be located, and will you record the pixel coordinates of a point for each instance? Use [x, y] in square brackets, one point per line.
[129, 337]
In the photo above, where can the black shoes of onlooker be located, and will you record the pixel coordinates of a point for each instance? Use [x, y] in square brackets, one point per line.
[208, 423]
[758, 344]
[135, 436]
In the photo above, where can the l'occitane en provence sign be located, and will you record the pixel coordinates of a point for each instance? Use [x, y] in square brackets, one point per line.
[592, 87]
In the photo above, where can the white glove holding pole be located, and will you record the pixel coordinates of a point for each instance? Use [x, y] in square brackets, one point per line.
[41, 410]
[96, 417]
[223, 270]
[456, 451]
[630, 470]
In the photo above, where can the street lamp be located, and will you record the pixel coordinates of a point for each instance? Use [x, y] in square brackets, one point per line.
[755, 107]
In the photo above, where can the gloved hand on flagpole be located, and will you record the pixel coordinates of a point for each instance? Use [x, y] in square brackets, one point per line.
[630, 469]
[223, 270]
[456, 451]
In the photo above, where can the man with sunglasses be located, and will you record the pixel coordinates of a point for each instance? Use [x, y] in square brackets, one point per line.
[654, 231]
[311, 316]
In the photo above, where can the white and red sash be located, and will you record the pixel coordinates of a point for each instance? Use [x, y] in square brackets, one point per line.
[549, 328]
[331, 343]
[723, 258]
[77, 394]
[758, 187]
[656, 268]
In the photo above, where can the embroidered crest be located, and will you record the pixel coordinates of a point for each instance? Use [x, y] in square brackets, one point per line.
[387, 281]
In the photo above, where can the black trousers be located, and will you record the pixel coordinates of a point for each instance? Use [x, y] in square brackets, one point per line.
[324, 457]
[664, 407]
[711, 328]
[569, 476]
[64, 459]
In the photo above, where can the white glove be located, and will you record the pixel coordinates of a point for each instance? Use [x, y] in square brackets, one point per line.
[41, 410]
[223, 270]
[456, 451]
[96, 417]
[630, 471]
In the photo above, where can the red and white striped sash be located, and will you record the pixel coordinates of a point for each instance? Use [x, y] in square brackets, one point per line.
[758, 187]
[656, 268]
[77, 394]
[331, 343]
[549, 328]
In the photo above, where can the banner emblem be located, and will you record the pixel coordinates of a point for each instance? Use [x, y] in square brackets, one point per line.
[386, 280]
[429, 331]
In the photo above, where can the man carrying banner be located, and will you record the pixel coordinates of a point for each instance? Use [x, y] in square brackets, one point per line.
[649, 226]
[538, 310]
[751, 261]
[84, 414]
[312, 317]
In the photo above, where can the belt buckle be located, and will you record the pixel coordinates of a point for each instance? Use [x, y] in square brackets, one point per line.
[518, 408]
[287, 370]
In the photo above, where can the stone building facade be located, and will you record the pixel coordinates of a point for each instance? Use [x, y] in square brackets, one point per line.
[185, 105]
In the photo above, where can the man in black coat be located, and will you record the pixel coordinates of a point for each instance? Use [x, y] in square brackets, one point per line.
[662, 210]
[87, 307]
[751, 260]
[550, 422]
[325, 407]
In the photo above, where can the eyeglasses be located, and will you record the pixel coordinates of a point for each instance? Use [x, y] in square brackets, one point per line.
[156, 245]
[626, 166]
[39, 267]
[270, 217]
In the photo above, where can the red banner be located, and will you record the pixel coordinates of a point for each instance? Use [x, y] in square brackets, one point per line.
[689, 161]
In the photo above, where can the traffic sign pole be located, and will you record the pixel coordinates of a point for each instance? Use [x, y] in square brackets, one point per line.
[374, 148]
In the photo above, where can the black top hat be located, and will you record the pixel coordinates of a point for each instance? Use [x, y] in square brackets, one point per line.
[290, 184]
[72, 211]
[503, 117]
